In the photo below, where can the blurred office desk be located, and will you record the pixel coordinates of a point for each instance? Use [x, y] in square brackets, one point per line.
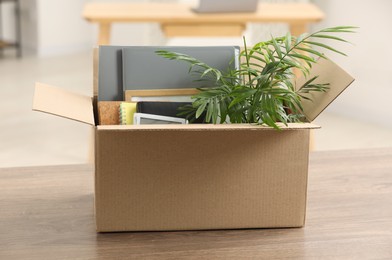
[179, 20]
[47, 213]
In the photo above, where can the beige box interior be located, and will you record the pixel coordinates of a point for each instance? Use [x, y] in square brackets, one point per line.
[190, 177]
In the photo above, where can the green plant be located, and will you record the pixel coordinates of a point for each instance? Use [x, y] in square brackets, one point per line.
[262, 90]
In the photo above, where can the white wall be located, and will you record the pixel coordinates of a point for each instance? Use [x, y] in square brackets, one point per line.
[369, 61]
[49, 27]
[61, 28]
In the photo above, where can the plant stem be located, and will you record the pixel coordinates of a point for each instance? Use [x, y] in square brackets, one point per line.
[247, 60]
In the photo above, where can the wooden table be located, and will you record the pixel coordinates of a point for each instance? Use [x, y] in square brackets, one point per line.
[47, 213]
[179, 19]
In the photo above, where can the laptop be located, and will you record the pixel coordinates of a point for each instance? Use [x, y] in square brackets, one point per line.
[226, 6]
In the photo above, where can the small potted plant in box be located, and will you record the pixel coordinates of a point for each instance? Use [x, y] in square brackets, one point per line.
[262, 90]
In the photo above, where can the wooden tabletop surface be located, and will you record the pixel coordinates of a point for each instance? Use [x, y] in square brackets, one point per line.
[179, 20]
[175, 12]
[47, 213]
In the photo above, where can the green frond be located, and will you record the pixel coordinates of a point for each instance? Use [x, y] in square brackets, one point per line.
[311, 51]
[288, 42]
[261, 91]
[322, 45]
[277, 48]
[331, 37]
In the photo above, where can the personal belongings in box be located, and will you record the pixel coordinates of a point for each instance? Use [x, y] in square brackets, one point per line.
[139, 74]
[187, 176]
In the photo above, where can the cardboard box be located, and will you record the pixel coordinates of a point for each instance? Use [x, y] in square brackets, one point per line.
[191, 177]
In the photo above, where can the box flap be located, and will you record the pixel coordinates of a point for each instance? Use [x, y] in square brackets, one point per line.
[328, 72]
[57, 101]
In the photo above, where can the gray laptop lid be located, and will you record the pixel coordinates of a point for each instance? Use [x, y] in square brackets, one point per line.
[226, 6]
[144, 69]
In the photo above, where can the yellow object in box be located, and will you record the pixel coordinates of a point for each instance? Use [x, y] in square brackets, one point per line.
[126, 112]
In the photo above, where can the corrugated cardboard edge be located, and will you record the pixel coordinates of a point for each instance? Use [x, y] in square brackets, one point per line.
[208, 127]
[327, 72]
[93, 137]
[309, 140]
[96, 182]
[63, 103]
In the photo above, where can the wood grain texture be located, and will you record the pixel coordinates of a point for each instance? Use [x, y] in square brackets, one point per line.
[175, 13]
[47, 213]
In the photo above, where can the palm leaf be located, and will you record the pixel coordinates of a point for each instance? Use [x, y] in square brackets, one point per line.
[261, 91]
[331, 37]
[312, 51]
[325, 47]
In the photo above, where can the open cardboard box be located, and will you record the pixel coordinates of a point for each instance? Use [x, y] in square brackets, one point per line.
[192, 177]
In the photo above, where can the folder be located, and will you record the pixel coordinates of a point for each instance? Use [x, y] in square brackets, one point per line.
[144, 69]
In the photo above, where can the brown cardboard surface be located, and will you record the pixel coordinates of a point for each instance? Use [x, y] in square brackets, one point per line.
[328, 72]
[63, 103]
[183, 180]
[209, 127]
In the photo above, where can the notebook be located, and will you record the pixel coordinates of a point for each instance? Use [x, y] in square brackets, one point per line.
[126, 112]
[144, 69]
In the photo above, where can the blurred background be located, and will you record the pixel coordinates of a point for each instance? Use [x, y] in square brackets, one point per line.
[56, 48]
